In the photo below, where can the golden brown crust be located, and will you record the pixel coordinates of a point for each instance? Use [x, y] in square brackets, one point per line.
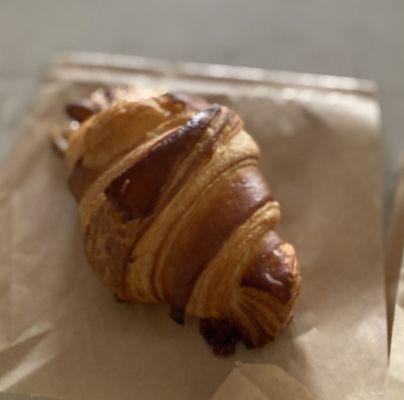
[175, 210]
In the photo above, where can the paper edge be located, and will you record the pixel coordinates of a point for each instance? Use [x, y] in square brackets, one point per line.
[219, 72]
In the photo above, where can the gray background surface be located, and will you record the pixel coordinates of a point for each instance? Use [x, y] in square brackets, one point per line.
[360, 38]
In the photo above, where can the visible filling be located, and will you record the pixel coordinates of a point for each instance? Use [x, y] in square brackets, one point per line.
[221, 334]
[137, 190]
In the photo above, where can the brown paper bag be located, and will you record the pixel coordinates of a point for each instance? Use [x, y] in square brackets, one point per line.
[62, 334]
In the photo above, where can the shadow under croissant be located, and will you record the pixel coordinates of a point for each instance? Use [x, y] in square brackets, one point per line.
[221, 334]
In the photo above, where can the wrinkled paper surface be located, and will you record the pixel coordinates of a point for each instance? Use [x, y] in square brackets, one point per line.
[64, 336]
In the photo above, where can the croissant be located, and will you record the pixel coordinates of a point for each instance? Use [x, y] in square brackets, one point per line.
[174, 209]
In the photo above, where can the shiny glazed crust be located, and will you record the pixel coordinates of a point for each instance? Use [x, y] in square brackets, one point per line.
[175, 210]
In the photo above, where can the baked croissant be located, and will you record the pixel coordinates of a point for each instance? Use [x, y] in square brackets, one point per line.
[174, 209]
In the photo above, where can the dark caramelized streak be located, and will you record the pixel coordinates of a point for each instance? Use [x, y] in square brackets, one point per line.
[207, 149]
[270, 269]
[137, 190]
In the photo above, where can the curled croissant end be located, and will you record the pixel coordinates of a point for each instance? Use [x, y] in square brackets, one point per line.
[174, 209]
